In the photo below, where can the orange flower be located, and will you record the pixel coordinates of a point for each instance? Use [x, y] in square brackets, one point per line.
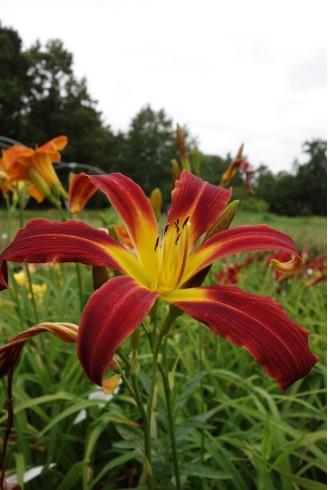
[20, 163]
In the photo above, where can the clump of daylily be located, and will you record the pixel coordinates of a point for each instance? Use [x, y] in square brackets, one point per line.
[167, 266]
[20, 164]
[241, 164]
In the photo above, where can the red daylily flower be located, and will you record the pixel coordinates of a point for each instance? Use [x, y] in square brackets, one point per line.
[230, 274]
[160, 266]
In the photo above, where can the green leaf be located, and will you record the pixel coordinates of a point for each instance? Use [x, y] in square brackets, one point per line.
[203, 471]
[73, 476]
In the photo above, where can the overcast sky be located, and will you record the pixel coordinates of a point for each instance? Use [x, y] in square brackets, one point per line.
[234, 71]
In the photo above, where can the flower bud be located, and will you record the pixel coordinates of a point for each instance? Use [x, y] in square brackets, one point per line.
[182, 149]
[156, 200]
[175, 172]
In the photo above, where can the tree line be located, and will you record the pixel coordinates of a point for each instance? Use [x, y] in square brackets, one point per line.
[41, 97]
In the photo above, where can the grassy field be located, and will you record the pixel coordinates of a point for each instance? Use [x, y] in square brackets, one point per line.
[235, 429]
[311, 231]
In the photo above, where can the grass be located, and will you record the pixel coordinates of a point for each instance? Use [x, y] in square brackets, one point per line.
[235, 429]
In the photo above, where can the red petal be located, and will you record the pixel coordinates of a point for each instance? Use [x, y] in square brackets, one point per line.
[256, 323]
[243, 239]
[202, 201]
[41, 241]
[129, 201]
[112, 313]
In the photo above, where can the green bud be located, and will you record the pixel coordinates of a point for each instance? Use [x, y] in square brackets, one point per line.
[156, 200]
[224, 220]
[196, 161]
[134, 339]
[39, 183]
[135, 366]
[175, 172]
[182, 149]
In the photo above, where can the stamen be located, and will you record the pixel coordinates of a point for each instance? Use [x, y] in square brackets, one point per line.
[185, 221]
[177, 239]
[156, 244]
[166, 228]
[176, 222]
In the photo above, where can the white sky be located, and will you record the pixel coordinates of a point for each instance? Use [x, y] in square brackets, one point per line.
[234, 71]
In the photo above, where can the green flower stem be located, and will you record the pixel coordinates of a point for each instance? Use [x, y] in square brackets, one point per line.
[10, 418]
[20, 313]
[29, 280]
[79, 285]
[135, 393]
[167, 390]
[156, 342]
[21, 222]
[9, 209]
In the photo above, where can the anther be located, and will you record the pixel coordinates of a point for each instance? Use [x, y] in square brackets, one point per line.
[166, 228]
[185, 221]
[156, 244]
[177, 239]
[176, 222]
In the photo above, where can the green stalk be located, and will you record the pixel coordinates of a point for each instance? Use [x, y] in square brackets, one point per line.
[170, 417]
[21, 222]
[135, 393]
[79, 285]
[156, 341]
[9, 220]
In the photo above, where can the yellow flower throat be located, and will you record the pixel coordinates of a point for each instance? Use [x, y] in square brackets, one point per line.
[171, 252]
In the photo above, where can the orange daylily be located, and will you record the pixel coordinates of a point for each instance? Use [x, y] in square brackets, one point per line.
[20, 163]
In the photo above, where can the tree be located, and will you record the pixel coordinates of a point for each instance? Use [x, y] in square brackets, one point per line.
[303, 193]
[14, 83]
[150, 147]
[59, 103]
[40, 97]
[311, 179]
